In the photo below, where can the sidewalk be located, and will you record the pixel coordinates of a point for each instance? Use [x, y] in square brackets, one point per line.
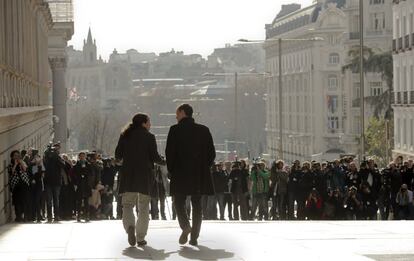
[105, 240]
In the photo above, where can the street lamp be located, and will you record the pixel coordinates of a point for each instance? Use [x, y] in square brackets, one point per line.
[236, 75]
[361, 77]
[279, 42]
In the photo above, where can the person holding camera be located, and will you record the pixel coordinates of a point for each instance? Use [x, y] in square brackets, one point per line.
[36, 173]
[353, 204]
[19, 183]
[83, 189]
[368, 202]
[54, 165]
[239, 189]
[260, 189]
[294, 190]
[279, 179]
[314, 205]
[404, 202]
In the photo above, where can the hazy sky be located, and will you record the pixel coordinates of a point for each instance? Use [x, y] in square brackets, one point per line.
[193, 26]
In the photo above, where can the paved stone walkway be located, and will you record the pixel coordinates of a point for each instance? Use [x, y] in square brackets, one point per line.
[105, 240]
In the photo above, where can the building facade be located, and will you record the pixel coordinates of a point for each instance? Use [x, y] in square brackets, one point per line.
[320, 112]
[25, 83]
[403, 58]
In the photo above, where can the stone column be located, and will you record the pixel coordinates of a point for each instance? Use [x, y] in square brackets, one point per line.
[58, 67]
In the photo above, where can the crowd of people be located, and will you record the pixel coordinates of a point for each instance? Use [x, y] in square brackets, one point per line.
[338, 190]
[53, 187]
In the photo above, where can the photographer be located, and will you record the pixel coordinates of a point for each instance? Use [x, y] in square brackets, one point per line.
[279, 187]
[83, 188]
[220, 184]
[294, 193]
[238, 183]
[404, 202]
[333, 206]
[353, 204]
[54, 165]
[19, 184]
[369, 204]
[352, 177]
[314, 206]
[260, 188]
[36, 173]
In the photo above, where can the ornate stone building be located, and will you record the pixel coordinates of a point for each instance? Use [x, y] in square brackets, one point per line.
[320, 112]
[403, 57]
[28, 63]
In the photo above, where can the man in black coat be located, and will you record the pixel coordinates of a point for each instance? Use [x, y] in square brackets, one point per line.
[190, 154]
[137, 150]
[54, 166]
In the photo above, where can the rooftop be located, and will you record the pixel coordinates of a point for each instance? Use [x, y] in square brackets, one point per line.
[62, 10]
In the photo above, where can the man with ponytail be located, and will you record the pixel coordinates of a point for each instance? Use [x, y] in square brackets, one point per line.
[137, 150]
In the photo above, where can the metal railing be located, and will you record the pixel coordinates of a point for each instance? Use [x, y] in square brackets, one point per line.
[61, 10]
[412, 97]
[405, 97]
[400, 43]
[407, 41]
[394, 45]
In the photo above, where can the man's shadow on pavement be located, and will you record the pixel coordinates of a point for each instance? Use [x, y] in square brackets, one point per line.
[204, 253]
[146, 253]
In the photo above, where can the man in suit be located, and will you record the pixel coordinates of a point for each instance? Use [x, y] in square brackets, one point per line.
[137, 149]
[190, 154]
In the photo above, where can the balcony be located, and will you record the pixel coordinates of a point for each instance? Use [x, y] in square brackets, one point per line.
[405, 97]
[412, 39]
[354, 35]
[394, 45]
[412, 97]
[400, 43]
[407, 42]
[397, 96]
[62, 10]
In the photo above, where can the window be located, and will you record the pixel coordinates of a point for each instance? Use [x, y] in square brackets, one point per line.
[375, 88]
[377, 21]
[357, 90]
[333, 58]
[332, 101]
[332, 82]
[333, 123]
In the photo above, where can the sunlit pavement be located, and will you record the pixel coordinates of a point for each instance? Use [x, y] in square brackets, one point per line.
[106, 240]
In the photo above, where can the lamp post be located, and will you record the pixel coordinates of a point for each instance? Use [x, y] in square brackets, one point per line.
[361, 77]
[236, 77]
[279, 42]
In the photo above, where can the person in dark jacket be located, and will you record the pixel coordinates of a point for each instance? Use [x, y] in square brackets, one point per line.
[36, 173]
[238, 183]
[190, 154]
[220, 185]
[137, 149]
[82, 176]
[54, 165]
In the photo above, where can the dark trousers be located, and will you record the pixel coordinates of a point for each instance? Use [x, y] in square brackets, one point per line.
[20, 199]
[36, 203]
[239, 199]
[82, 204]
[228, 201]
[155, 210]
[183, 219]
[53, 199]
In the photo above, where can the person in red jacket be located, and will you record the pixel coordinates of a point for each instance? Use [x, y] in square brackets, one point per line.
[314, 206]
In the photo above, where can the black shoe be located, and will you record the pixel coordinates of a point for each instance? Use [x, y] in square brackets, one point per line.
[184, 236]
[132, 240]
[78, 219]
[193, 242]
[142, 243]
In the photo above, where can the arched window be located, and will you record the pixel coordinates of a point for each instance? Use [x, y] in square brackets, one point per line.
[333, 58]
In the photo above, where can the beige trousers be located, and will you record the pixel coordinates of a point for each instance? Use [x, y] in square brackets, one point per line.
[141, 202]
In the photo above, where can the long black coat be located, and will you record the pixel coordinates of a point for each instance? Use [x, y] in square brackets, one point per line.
[138, 150]
[190, 154]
